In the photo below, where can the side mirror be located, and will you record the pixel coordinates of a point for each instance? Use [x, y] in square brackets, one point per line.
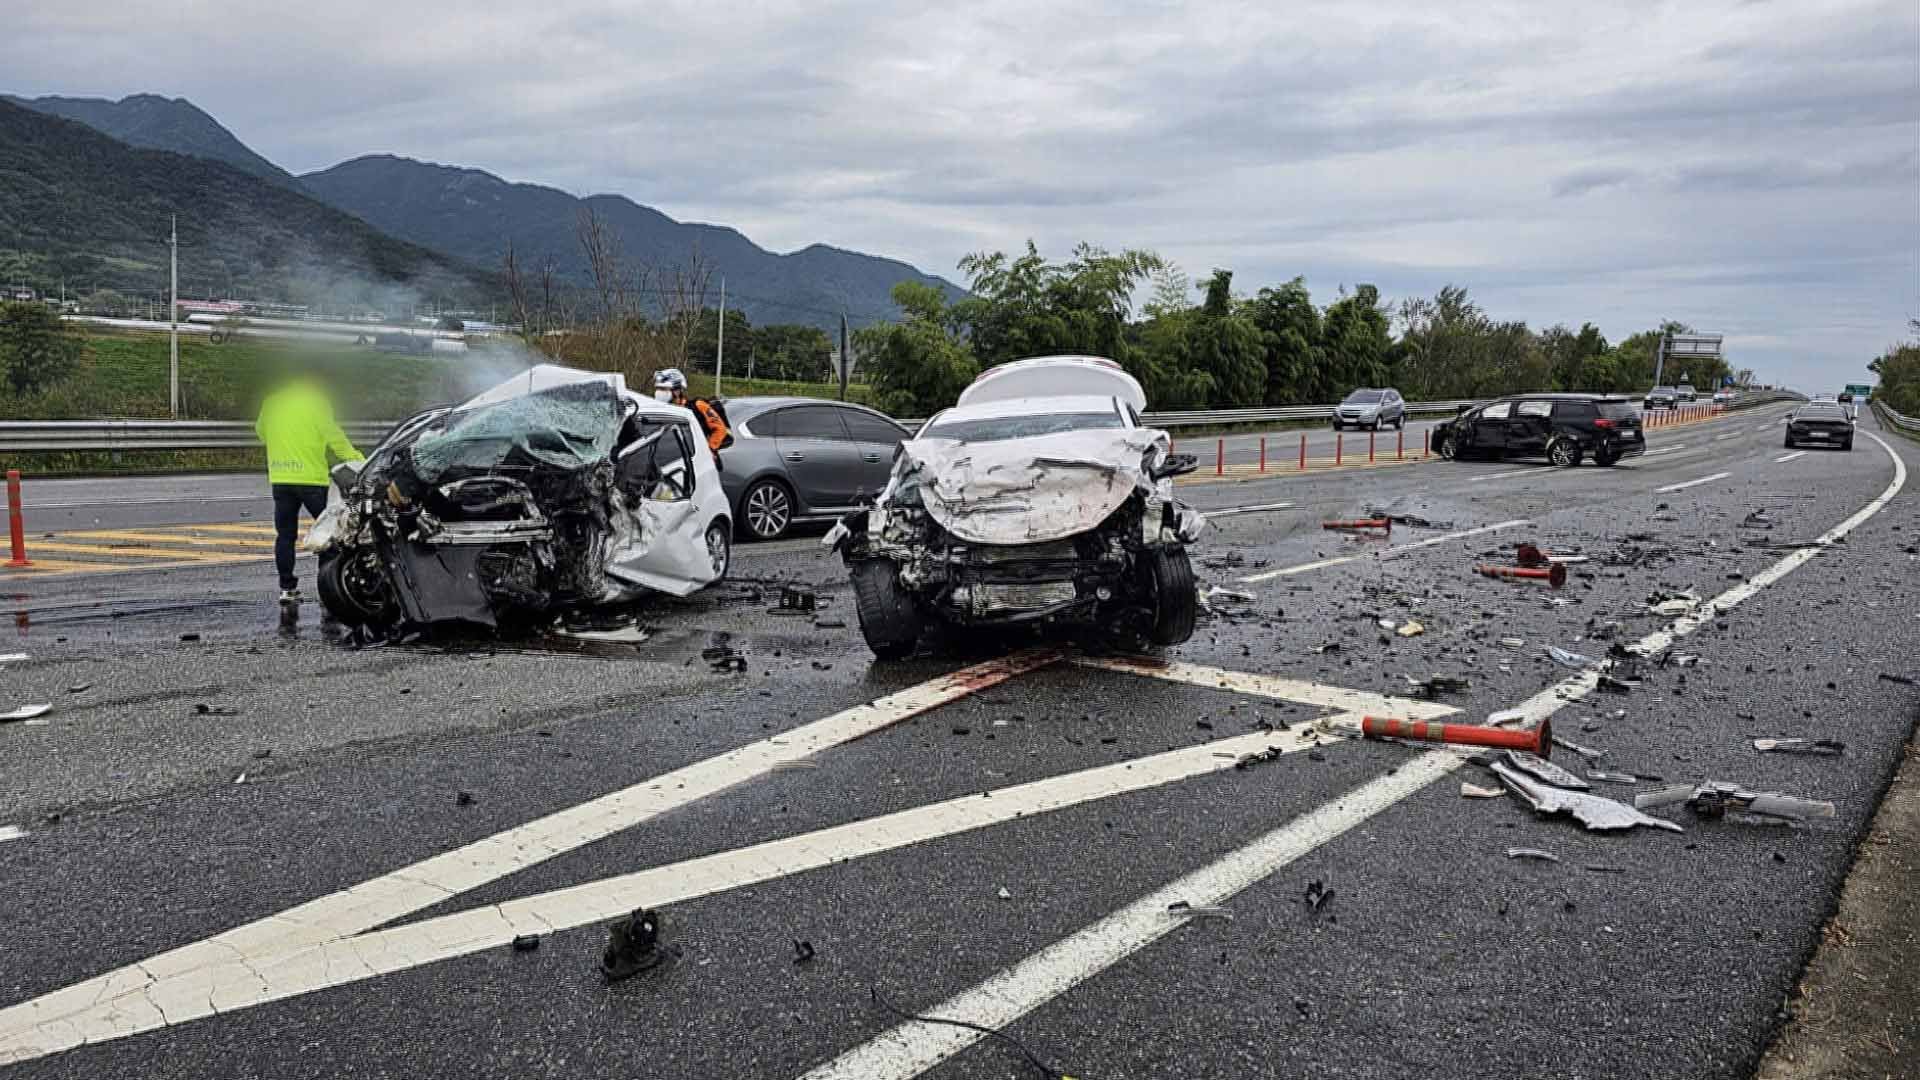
[1174, 465]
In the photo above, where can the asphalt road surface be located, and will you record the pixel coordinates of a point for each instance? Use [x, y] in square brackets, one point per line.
[253, 850]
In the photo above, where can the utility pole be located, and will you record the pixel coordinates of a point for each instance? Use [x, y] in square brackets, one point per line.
[720, 346]
[173, 320]
[846, 357]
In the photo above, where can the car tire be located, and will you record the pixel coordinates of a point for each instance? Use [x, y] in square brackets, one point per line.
[1789, 443]
[1336, 425]
[1848, 445]
[1401, 423]
[1170, 588]
[1563, 452]
[348, 597]
[888, 618]
[720, 547]
[1447, 449]
[1606, 458]
[766, 509]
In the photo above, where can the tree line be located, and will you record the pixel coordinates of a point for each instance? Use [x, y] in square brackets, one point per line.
[1208, 345]
[1899, 372]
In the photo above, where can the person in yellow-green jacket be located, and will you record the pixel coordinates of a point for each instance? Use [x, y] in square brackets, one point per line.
[296, 424]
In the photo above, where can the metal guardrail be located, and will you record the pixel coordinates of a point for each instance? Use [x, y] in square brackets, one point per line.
[1909, 424]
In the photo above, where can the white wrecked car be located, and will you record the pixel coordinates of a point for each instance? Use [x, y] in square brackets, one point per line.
[554, 493]
[1038, 497]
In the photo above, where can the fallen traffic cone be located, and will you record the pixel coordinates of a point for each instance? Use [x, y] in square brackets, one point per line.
[1385, 525]
[1530, 555]
[1553, 574]
[1533, 740]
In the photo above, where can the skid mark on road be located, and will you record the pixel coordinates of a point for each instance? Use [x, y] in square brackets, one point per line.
[910, 1049]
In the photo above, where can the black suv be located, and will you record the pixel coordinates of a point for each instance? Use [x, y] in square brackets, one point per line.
[1563, 427]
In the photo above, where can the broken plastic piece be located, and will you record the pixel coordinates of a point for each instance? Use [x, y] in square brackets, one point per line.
[1218, 592]
[1475, 791]
[1181, 909]
[1822, 747]
[11, 832]
[1713, 798]
[26, 712]
[526, 942]
[802, 951]
[1612, 777]
[1532, 853]
[1573, 660]
[1318, 895]
[633, 946]
[1410, 628]
[1439, 684]
[1514, 642]
[1613, 685]
[1545, 770]
[1596, 813]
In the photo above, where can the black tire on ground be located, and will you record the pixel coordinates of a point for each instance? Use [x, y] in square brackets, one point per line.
[720, 547]
[1848, 445]
[350, 603]
[1447, 449]
[766, 509]
[1563, 452]
[1170, 588]
[1789, 442]
[1336, 425]
[888, 619]
[1400, 424]
[1604, 458]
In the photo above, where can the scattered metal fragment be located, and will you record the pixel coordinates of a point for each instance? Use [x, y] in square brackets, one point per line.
[1822, 747]
[1318, 895]
[26, 712]
[1596, 813]
[1182, 909]
[1612, 777]
[526, 942]
[1532, 853]
[1573, 660]
[1536, 766]
[633, 946]
[1587, 752]
[1713, 798]
[1475, 791]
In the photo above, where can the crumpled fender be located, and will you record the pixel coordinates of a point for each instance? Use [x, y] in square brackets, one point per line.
[1026, 491]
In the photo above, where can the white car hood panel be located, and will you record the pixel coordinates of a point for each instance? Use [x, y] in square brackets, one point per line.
[1027, 491]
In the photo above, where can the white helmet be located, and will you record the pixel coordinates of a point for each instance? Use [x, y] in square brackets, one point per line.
[669, 379]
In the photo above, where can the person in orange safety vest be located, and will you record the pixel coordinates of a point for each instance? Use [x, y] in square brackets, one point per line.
[670, 386]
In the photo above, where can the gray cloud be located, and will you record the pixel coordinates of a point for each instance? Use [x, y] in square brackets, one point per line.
[1747, 168]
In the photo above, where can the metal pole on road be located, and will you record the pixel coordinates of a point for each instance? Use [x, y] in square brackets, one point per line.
[16, 529]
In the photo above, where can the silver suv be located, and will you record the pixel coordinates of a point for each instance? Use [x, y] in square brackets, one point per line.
[1371, 409]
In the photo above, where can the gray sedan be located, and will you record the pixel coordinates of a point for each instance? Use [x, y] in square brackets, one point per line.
[800, 459]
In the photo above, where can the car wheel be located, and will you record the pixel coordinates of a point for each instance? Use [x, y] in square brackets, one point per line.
[1789, 442]
[1401, 423]
[1447, 449]
[767, 509]
[720, 547]
[1564, 452]
[1170, 587]
[888, 619]
[354, 589]
[1336, 425]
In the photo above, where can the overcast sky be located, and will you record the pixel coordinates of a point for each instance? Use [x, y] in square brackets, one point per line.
[1751, 168]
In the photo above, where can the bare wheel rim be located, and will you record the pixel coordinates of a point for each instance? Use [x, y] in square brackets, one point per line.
[1562, 453]
[768, 510]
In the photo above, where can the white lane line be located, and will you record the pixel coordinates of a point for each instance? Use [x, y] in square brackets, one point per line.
[1536, 470]
[161, 994]
[1789, 457]
[1385, 553]
[909, 1049]
[1691, 483]
[339, 915]
[912, 1048]
[1729, 435]
[1232, 510]
[1272, 686]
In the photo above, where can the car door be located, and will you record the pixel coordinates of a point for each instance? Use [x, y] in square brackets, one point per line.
[878, 440]
[1490, 426]
[670, 502]
[821, 459]
[1530, 427]
[1393, 409]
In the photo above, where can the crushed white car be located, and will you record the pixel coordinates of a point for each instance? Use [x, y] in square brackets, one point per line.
[1038, 498]
[554, 493]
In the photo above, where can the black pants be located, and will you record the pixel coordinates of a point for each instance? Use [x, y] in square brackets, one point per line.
[287, 501]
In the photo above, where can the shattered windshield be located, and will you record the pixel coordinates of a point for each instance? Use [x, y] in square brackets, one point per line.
[989, 429]
[567, 427]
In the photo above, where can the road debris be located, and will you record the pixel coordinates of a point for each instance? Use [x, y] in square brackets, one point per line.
[526, 942]
[1587, 752]
[11, 832]
[1598, 814]
[1534, 854]
[1318, 895]
[802, 951]
[1411, 628]
[796, 600]
[1672, 604]
[1412, 521]
[1577, 661]
[1259, 757]
[1554, 575]
[1181, 909]
[204, 709]
[12, 657]
[1616, 685]
[1385, 525]
[1612, 777]
[1821, 747]
[1713, 798]
[1475, 791]
[1514, 642]
[1004, 894]
[26, 712]
[633, 946]
[1219, 592]
[1436, 685]
[1385, 727]
[1542, 769]
[1903, 680]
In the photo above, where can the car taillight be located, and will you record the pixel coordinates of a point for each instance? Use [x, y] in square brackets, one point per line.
[1603, 423]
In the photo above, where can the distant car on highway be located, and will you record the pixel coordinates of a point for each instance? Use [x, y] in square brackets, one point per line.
[1687, 394]
[801, 459]
[1563, 427]
[1662, 397]
[1724, 397]
[1820, 423]
[1372, 409]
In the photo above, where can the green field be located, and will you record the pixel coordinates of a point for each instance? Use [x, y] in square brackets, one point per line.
[125, 376]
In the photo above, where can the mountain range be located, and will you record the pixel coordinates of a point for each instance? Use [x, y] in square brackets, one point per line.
[467, 218]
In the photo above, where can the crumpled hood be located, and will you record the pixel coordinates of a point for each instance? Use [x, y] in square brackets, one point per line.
[1027, 491]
